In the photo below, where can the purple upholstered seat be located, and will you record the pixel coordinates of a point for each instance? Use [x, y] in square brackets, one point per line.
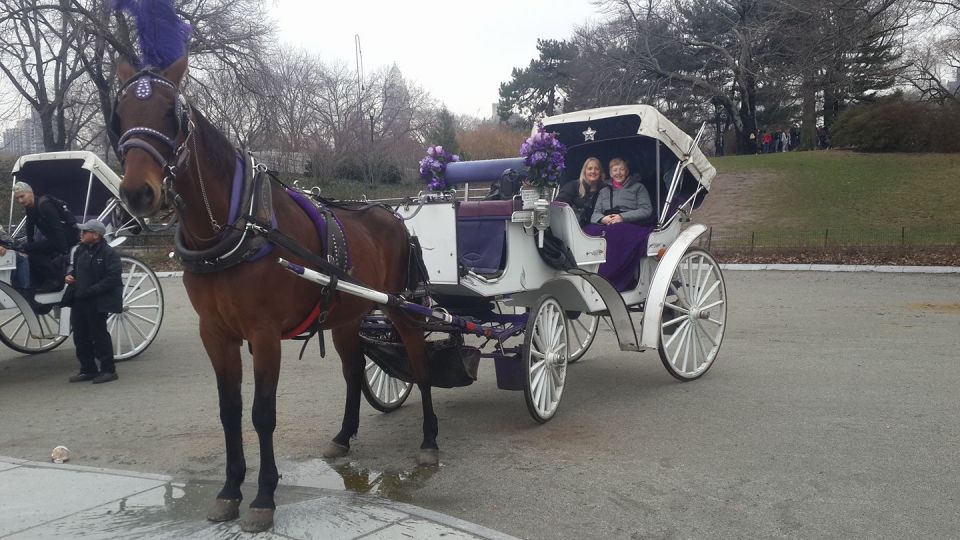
[481, 231]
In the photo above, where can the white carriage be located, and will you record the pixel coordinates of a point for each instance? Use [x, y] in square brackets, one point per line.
[481, 256]
[37, 323]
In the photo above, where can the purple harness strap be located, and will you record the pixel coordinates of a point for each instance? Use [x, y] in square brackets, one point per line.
[318, 222]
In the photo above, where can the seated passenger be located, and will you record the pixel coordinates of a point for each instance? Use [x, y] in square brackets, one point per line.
[582, 195]
[624, 199]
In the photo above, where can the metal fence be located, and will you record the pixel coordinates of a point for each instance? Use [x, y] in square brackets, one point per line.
[830, 239]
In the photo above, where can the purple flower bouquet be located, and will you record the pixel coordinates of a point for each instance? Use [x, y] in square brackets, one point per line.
[544, 154]
[433, 167]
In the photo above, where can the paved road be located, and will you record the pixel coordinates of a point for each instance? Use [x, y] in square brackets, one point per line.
[832, 411]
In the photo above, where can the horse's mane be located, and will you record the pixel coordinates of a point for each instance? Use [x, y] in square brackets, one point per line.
[163, 35]
[214, 145]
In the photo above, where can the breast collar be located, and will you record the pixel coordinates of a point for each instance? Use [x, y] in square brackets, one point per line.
[251, 195]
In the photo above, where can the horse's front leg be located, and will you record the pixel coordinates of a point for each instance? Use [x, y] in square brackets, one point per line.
[346, 339]
[224, 354]
[266, 374]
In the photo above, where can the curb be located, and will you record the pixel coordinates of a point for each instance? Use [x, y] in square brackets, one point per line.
[845, 268]
[423, 513]
[881, 269]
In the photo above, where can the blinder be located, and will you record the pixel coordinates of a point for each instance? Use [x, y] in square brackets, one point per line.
[135, 137]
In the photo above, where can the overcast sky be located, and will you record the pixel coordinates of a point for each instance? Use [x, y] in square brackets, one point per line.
[458, 51]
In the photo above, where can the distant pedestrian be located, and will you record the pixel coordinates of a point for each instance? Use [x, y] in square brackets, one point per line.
[767, 142]
[97, 290]
[785, 140]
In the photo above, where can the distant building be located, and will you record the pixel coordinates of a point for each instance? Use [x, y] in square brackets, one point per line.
[955, 84]
[26, 137]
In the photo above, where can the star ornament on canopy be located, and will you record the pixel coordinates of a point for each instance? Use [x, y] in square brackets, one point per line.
[589, 134]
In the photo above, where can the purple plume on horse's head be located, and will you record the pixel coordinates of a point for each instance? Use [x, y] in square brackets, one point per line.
[163, 35]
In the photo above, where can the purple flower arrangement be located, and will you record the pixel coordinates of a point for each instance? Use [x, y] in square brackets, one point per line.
[544, 154]
[433, 167]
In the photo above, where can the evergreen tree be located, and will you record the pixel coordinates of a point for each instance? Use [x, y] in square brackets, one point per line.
[443, 132]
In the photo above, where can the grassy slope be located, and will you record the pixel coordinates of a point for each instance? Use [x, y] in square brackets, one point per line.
[851, 190]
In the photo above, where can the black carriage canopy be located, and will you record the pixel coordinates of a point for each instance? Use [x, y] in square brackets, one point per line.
[611, 137]
[67, 180]
[618, 137]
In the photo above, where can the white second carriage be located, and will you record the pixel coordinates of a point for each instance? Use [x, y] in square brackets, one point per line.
[37, 323]
[488, 275]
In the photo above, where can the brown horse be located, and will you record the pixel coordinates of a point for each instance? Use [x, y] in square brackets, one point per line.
[256, 301]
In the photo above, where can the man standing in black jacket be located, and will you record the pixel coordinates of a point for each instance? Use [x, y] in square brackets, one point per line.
[98, 292]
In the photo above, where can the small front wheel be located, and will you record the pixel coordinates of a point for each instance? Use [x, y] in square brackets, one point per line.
[545, 357]
[383, 392]
[694, 316]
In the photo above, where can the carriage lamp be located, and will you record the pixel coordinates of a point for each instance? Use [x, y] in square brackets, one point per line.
[541, 217]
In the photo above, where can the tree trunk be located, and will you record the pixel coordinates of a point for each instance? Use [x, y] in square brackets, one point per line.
[808, 114]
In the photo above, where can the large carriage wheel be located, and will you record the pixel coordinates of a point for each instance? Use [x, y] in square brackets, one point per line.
[15, 334]
[545, 358]
[694, 316]
[382, 391]
[583, 330]
[135, 328]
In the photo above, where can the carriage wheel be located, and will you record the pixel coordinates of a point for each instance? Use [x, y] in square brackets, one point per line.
[583, 330]
[135, 328]
[15, 334]
[694, 316]
[545, 358]
[383, 392]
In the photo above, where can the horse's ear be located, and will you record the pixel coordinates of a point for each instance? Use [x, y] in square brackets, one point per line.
[177, 70]
[125, 71]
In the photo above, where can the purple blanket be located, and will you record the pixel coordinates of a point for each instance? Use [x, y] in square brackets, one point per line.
[626, 245]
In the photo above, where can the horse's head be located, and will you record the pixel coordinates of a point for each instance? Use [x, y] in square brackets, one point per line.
[152, 122]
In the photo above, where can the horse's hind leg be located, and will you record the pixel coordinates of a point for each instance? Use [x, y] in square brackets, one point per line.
[225, 356]
[346, 339]
[412, 337]
[266, 374]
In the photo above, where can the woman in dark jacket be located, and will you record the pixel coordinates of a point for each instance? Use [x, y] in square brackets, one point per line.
[582, 195]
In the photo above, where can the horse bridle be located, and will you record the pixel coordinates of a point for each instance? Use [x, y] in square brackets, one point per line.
[136, 137]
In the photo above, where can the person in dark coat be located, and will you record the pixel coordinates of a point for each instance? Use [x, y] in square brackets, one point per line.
[97, 292]
[582, 195]
[46, 252]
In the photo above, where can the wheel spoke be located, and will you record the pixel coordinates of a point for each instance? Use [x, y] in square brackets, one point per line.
[707, 334]
[713, 305]
[697, 330]
[676, 308]
[677, 332]
[672, 322]
[142, 318]
[139, 296]
[709, 292]
[135, 288]
[676, 352]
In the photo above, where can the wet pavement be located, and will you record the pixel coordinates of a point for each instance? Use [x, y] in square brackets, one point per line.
[43, 500]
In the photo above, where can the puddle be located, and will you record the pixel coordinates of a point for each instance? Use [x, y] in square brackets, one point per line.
[178, 510]
[172, 510]
[939, 308]
[350, 476]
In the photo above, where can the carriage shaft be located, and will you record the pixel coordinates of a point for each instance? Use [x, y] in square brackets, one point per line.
[386, 299]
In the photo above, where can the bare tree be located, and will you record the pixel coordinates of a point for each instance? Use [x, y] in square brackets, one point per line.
[46, 47]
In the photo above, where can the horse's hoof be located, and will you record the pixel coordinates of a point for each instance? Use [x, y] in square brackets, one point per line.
[335, 450]
[428, 456]
[257, 520]
[224, 510]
